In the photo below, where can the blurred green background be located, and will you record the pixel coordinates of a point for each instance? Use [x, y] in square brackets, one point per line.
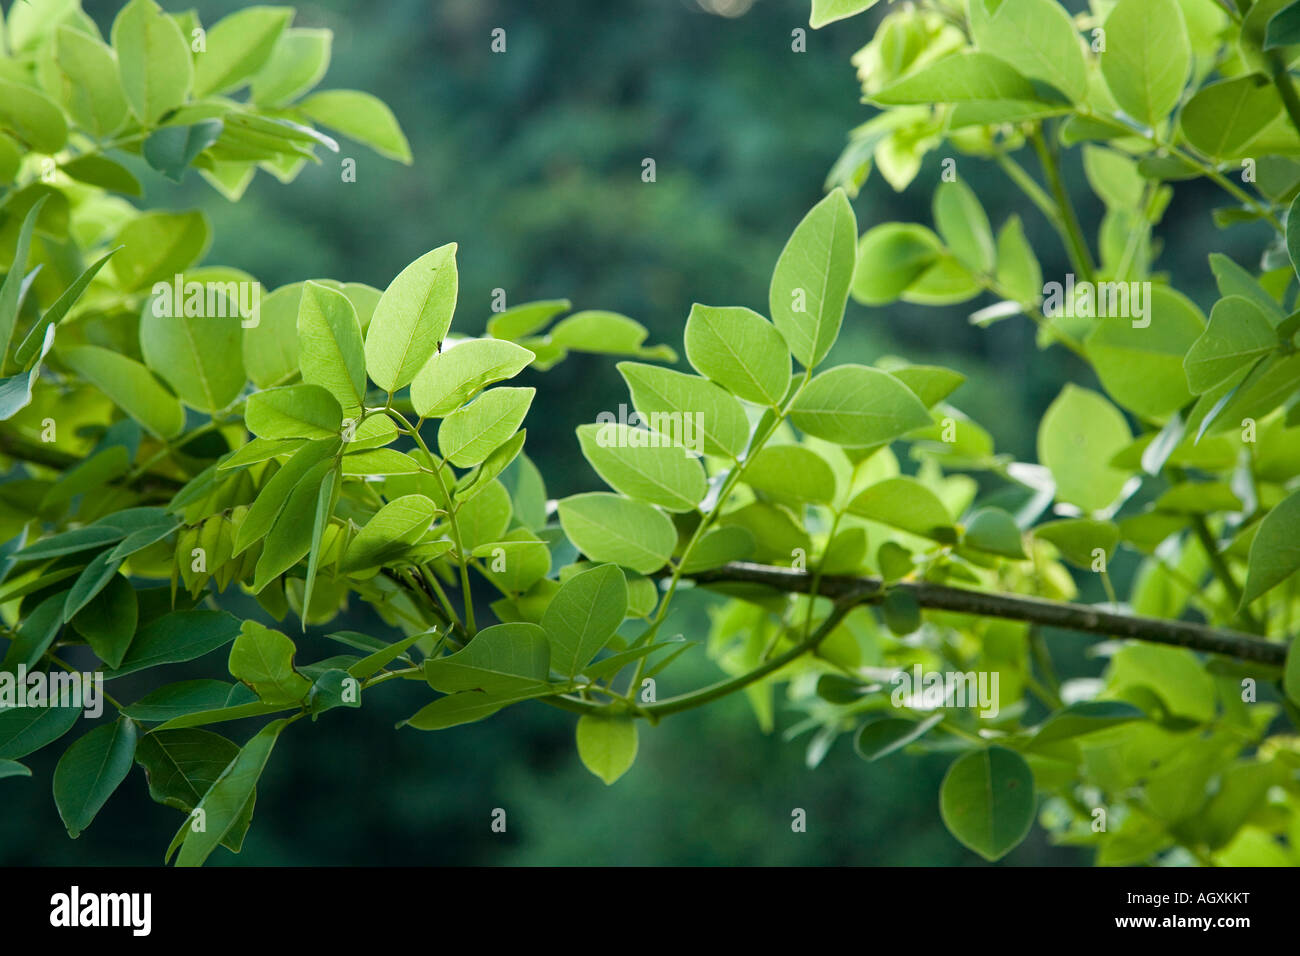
[531, 160]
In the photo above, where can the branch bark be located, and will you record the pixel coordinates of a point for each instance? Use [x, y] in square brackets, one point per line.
[1059, 614]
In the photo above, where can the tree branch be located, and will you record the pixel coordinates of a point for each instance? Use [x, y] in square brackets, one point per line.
[1060, 614]
[38, 453]
[843, 604]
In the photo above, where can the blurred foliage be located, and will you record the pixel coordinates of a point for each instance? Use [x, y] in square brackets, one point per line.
[531, 160]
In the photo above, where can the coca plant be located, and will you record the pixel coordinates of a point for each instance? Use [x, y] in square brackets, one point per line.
[877, 565]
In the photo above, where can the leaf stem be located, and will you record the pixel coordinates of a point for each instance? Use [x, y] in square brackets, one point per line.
[461, 557]
[1076, 245]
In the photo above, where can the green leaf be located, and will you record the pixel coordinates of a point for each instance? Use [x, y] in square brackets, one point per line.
[1292, 237]
[791, 473]
[91, 90]
[380, 461]
[289, 540]
[412, 317]
[36, 343]
[70, 542]
[362, 117]
[182, 765]
[469, 434]
[582, 617]
[1283, 28]
[906, 504]
[327, 497]
[333, 688]
[16, 390]
[1275, 551]
[373, 663]
[1140, 362]
[130, 385]
[521, 320]
[740, 350]
[30, 585]
[270, 501]
[987, 801]
[175, 637]
[93, 473]
[717, 547]
[1077, 438]
[607, 745]
[263, 659]
[1174, 674]
[828, 11]
[223, 805]
[294, 411]
[35, 634]
[32, 117]
[254, 708]
[257, 450]
[901, 613]
[270, 348]
[606, 333]
[329, 345]
[237, 47]
[461, 708]
[1147, 58]
[668, 400]
[90, 770]
[298, 62]
[961, 78]
[930, 383]
[188, 697]
[1223, 118]
[995, 531]
[1239, 333]
[607, 527]
[964, 225]
[1018, 270]
[1114, 177]
[1078, 539]
[156, 246]
[857, 406]
[810, 284]
[880, 738]
[890, 258]
[394, 528]
[643, 464]
[11, 289]
[109, 619]
[1085, 717]
[12, 768]
[485, 517]
[153, 60]
[945, 282]
[197, 355]
[172, 149]
[1037, 37]
[24, 730]
[493, 465]
[455, 375]
[507, 659]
